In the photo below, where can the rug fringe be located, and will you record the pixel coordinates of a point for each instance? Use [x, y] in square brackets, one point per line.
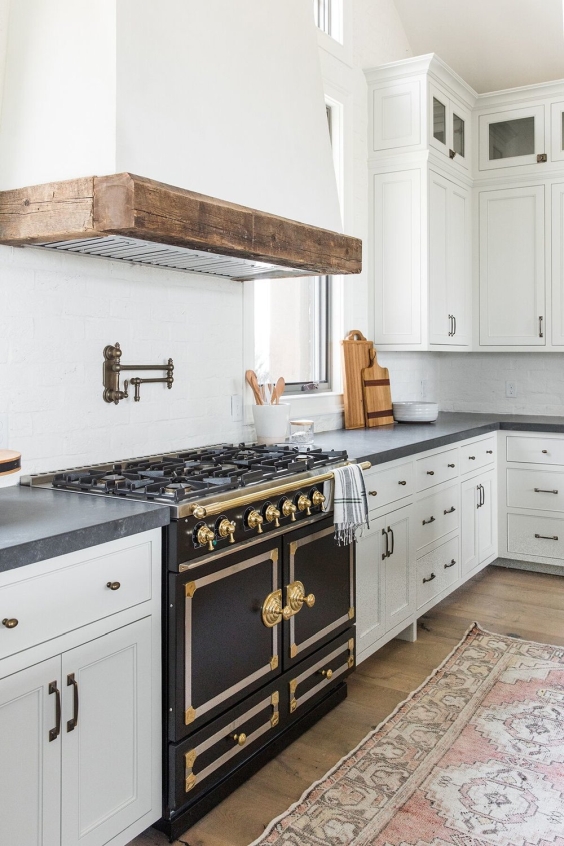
[370, 734]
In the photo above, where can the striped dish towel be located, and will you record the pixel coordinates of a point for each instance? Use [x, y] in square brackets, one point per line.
[350, 503]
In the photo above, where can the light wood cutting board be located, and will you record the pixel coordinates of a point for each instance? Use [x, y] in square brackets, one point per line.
[377, 394]
[356, 356]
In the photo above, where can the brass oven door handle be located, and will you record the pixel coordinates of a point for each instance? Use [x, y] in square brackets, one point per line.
[55, 732]
[296, 597]
[272, 610]
[72, 724]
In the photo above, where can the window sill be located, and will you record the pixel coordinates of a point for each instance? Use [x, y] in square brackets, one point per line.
[306, 405]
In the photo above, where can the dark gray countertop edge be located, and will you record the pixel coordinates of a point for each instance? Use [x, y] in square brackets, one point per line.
[40, 549]
[383, 456]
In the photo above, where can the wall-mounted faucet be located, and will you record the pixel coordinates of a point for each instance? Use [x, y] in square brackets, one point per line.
[113, 368]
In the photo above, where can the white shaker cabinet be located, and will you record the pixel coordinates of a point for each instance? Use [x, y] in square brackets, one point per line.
[80, 722]
[512, 267]
[478, 525]
[558, 264]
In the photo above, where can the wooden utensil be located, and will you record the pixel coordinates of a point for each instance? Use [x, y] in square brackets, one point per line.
[251, 378]
[356, 356]
[377, 394]
[278, 390]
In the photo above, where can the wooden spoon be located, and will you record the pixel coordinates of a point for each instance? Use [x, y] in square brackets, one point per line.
[278, 390]
[251, 378]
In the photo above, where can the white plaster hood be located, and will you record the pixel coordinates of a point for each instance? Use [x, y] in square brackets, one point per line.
[218, 97]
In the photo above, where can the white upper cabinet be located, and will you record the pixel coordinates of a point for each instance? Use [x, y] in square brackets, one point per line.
[396, 115]
[558, 264]
[512, 138]
[512, 270]
[449, 127]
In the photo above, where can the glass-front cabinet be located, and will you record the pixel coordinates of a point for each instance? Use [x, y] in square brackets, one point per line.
[557, 131]
[449, 127]
[512, 138]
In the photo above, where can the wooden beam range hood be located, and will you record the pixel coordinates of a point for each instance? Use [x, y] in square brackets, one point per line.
[138, 220]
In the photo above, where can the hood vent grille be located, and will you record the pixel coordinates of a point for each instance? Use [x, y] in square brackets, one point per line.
[159, 255]
[139, 220]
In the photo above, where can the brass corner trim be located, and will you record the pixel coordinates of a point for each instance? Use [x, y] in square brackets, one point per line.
[190, 589]
[351, 643]
[275, 719]
[350, 662]
[293, 705]
[190, 758]
[293, 685]
[190, 782]
[293, 547]
[274, 555]
[275, 698]
[274, 663]
[189, 716]
[351, 612]
[293, 650]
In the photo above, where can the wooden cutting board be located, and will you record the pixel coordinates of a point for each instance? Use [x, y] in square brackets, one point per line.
[377, 394]
[356, 356]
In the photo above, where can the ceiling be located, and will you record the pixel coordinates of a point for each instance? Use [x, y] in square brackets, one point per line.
[491, 44]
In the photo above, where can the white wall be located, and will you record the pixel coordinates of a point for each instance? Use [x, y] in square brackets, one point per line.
[59, 312]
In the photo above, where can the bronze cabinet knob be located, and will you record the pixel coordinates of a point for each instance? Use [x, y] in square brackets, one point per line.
[10, 623]
[240, 739]
[113, 585]
[327, 673]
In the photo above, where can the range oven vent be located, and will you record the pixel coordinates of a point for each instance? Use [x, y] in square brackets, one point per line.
[134, 219]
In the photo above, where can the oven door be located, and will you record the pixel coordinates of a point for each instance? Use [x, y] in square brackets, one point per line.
[219, 648]
[318, 587]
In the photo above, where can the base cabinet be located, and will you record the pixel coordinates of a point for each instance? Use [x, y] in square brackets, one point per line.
[80, 726]
[478, 533]
[385, 577]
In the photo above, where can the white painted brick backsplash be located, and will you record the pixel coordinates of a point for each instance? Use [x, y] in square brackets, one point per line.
[58, 312]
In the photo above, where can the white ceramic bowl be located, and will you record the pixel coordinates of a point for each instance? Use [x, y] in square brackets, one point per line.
[415, 412]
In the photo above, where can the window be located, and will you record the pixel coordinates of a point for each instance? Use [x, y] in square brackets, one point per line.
[328, 16]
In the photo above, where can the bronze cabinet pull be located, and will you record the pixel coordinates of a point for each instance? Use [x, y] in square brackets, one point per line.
[113, 585]
[10, 622]
[541, 333]
[450, 332]
[402, 483]
[72, 724]
[430, 520]
[386, 554]
[430, 579]
[451, 465]
[472, 458]
[547, 537]
[272, 610]
[452, 563]
[55, 732]
[430, 472]
[542, 490]
[449, 510]
[391, 531]
[544, 451]
[489, 452]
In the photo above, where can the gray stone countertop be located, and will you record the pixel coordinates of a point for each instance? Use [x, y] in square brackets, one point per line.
[386, 443]
[38, 523]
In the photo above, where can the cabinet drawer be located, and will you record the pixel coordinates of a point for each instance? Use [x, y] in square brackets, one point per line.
[436, 515]
[542, 490]
[535, 450]
[385, 486]
[437, 570]
[542, 536]
[476, 455]
[436, 469]
[51, 604]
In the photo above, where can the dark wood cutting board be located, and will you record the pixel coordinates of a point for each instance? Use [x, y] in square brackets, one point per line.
[377, 394]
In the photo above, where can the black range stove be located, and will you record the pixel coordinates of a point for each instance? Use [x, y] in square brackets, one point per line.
[247, 490]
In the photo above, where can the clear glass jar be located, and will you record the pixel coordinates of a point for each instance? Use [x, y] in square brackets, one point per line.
[301, 431]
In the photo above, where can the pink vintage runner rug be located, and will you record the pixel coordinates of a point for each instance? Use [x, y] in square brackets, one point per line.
[474, 757]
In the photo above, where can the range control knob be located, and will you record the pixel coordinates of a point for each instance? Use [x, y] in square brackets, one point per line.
[317, 498]
[288, 509]
[255, 521]
[226, 529]
[272, 515]
[304, 504]
[204, 536]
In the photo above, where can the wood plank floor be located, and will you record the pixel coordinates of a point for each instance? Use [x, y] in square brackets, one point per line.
[512, 602]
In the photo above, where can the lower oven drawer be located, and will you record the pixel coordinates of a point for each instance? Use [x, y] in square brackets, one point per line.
[538, 536]
[202, 760]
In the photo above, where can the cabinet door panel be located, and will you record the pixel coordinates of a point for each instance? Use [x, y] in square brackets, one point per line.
[370, 596]
[512, 300]
[400, 574]
[107, 764]
[557, 125]
[558, 264]
[487, 517]
[440, 322]
[468, 526]
[458, 263]
[397, 257]
[511, 138]
[30, 762]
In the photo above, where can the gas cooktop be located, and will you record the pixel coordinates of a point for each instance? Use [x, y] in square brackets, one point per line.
[177, 477]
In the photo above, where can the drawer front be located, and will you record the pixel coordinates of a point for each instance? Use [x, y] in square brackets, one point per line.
[476, 455]
[326, 669]
[535, 450]
[436, 516]
[385, 486]
[436, 469]
[542, 536]
[542, 490]
[437, 570]
[49, 605]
